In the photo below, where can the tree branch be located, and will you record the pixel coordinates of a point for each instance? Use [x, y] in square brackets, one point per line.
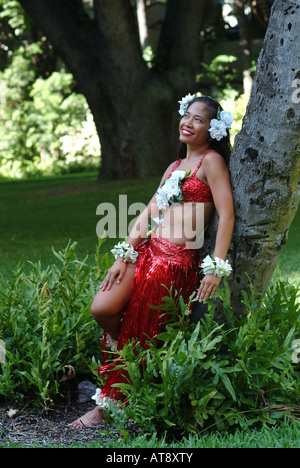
[68, 28]
[92, 49]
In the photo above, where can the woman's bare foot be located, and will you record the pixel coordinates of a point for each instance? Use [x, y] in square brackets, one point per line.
[92, 418]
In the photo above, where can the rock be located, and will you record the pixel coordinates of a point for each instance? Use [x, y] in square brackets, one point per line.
[86, 390]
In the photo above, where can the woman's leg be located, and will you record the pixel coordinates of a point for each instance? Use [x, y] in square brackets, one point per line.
[108, 305]
[106, 308]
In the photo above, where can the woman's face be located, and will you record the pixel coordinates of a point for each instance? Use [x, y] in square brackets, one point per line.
[194, 125]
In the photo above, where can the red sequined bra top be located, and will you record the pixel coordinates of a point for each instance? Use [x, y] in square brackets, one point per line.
[193, 189]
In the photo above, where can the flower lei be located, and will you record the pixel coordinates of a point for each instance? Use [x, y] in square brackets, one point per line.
[170, 191]
[216, 266]
[125, 251]
[184, 103]
[104, 402]
[168, 194]
[218, 127]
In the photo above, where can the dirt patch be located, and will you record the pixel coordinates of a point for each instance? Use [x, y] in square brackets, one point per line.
[44, 428]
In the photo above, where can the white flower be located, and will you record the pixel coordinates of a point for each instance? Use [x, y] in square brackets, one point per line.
[125, 251]
[162, 199]
[216, 266]
[103, 402]
[223, 267]
[130, 255]
[208, 265]
[185, 102]
[12, 413]
[98, 396]
[217, 129]
[227, 118]
[178, 175]
[170, 191]
[171, 187]
[119, 250]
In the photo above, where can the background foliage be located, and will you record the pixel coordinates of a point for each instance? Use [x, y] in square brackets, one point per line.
[46, 126]
[222, 374]
[236, 373]
[46, 324]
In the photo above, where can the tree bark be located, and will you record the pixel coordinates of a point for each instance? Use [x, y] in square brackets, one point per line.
[265, 164]
[134, 108]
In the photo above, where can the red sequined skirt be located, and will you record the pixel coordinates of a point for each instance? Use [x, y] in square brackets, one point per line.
[160, 265]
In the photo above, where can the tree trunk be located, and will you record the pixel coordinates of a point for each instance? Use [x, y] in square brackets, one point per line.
[135, 108]
[265, 164]
[135, 132]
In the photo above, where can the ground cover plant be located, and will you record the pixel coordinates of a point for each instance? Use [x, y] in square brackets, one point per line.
[235, 373]
[47, 327]
[221, 373]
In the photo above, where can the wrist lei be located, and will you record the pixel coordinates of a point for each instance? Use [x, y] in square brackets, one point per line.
[125, 251]
[215, 266]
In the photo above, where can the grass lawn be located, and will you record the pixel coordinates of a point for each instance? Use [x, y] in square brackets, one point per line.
[36, 215]
[286, 435]
[40, 214]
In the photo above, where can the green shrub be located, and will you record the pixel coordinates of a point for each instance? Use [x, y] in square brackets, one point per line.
[46, 325]
[192, 377]
[45, 127]
[237, 373]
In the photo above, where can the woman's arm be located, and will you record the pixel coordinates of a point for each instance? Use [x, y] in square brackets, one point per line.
[136, 236]
[140, 227]
[218, 178]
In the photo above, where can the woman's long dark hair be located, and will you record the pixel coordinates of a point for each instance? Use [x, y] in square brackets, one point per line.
[223, 146]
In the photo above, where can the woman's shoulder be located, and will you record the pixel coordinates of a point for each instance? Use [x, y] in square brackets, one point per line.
[212, 155]
[212, 158]
[214, 166]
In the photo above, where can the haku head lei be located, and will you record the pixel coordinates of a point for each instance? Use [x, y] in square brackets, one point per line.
[218, 126]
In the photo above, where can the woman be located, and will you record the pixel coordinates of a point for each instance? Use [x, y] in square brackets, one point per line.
[198, 183]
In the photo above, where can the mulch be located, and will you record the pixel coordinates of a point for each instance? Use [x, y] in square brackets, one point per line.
[33, 427]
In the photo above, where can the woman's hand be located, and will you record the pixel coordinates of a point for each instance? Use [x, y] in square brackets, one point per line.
[117, 270]
[208, 287]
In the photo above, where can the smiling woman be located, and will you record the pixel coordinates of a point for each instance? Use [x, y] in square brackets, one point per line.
[169, 258]
[219, 121]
